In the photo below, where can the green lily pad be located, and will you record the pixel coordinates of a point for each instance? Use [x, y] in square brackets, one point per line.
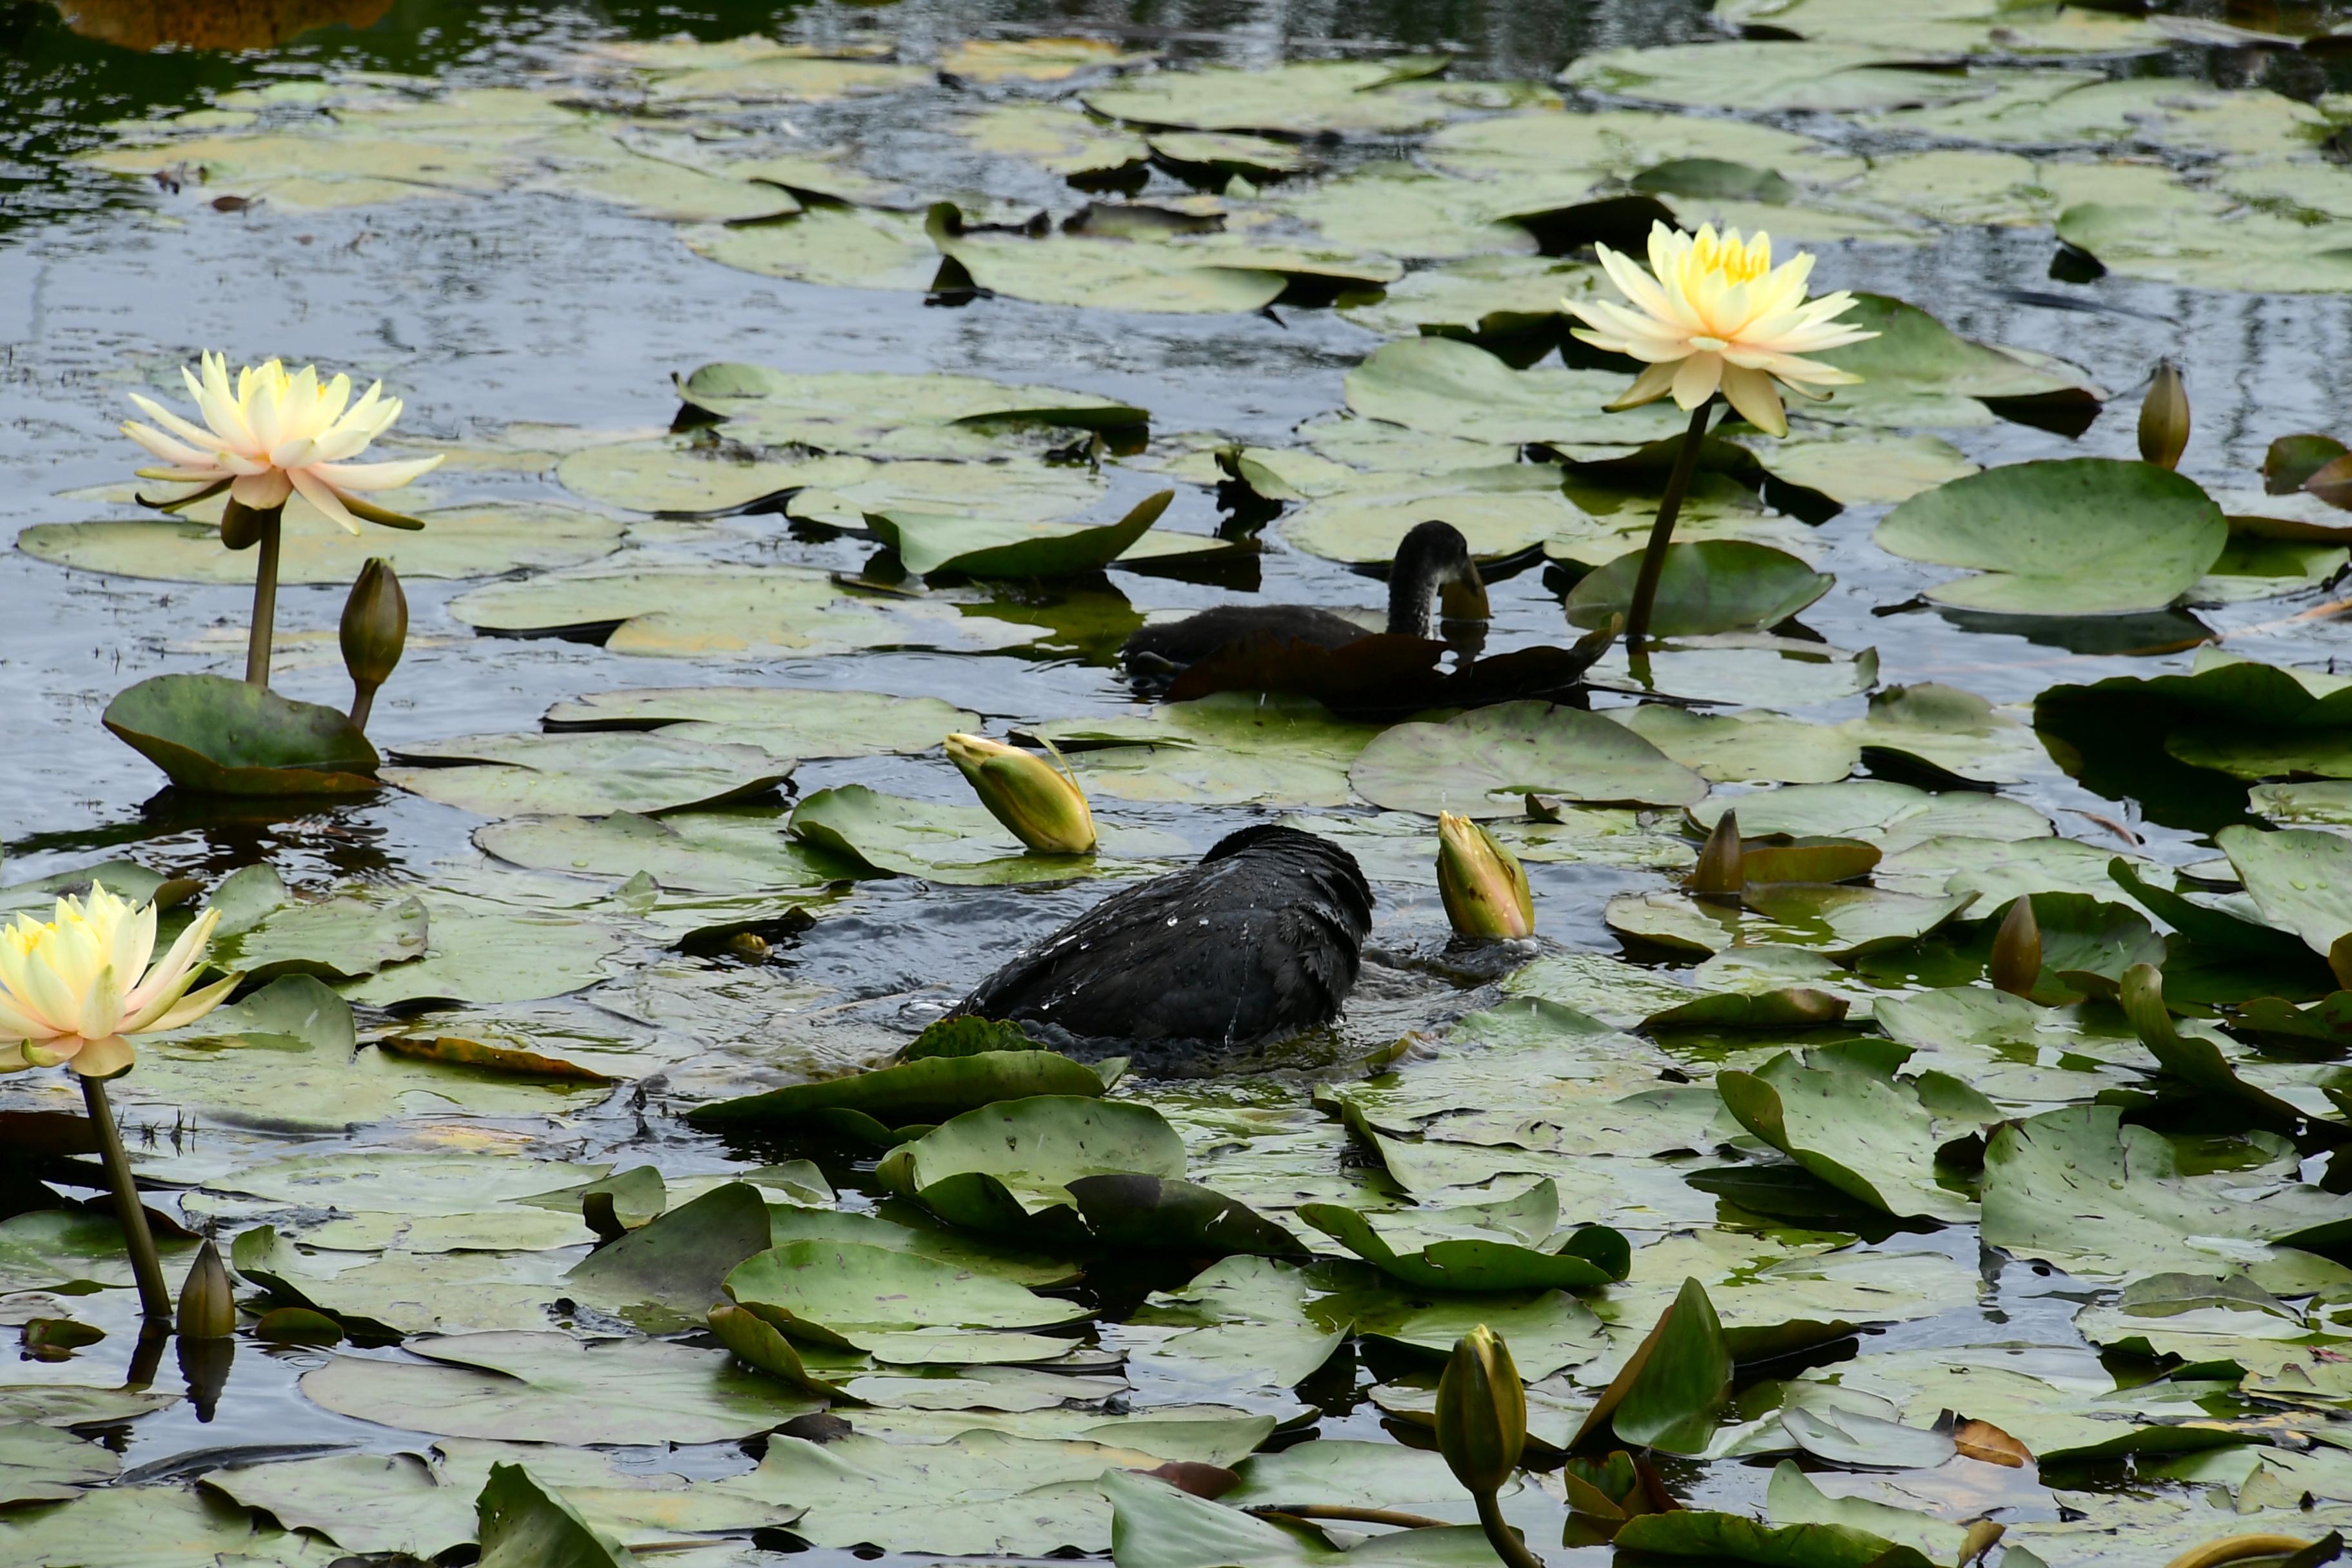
[1593, 1257]
[52, 1250]
[1006, 1167]
[2300, 878]
[1496, 299]
[2079, 536]
[1584, 148]
[485, 540]
[928, 1091]
[524, 1525]
[696, 475]
[150, 1526]
[801, 406]
[1757, 668]
[586, 776]
[691, 852]
[972, 1254]
[679, 611]
[1864, 1133]
[41, 1464]
[2106, 1201]
[552, 1388]
[479, 949]
[1727, 1538]
[1712, 586]
[1838, 921]
[1893, 816]
[1744, 747]
[839, 1294]
[1231, 748]
[1749, 75]
[1499, 511]
[1301, 99]
[1484, 763]
[1680, 1382]
[1918, 372]
[786, 722]
[266, 932]
[1155, 1525]
[985, 547]
[1864, 468]
[961, 845]
[841, 248]
[217, 736]
[1058, 140]
[1442, 387]
[664, 1275]
[2215, 243]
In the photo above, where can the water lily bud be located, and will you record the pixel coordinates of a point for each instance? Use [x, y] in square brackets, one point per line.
[374, 631]
[2164, 417]
[207, 1301]
[2017, 950]
[1484, 885]
[1041, 804]
[240, 525]
[1482, 1413]
[1718, 873]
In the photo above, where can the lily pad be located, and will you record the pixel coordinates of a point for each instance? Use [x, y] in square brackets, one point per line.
[1007, 1167]
[839, 1294]
[552, 1388]
[1485, 763]
[1864, 1133]
[697, 612]
[2106, 1201]
[1746, 75]
[2300, 878]
[1712, 586]
[484, 540]
[786, 722]
[586, 776]
[984, 547]
[1442, 387]
[930, 1091]
[2079, 536]
[1592, 1257]
[841, 247]
[1918, 372]
[1301, 99]
[691, 852]
[217, 736]
[962, 845]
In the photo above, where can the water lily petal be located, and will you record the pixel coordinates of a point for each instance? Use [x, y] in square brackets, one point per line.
[104, 1058]
[194, 1005]
[1750, 392]
[322, 494]
[174, 452]
[387, 476]
[1696, 378]
[261, 491]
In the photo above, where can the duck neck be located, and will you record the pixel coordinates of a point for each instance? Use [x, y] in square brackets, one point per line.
[1412, 596]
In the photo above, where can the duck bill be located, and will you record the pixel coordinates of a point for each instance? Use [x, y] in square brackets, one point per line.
[1464, 598]
[1483, 884]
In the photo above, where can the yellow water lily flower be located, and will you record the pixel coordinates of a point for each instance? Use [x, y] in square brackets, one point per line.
[1713, 314]
[74, 988]
[1041, 804]
[274, 435]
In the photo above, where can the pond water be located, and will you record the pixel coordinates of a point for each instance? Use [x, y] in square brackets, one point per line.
[532, 301]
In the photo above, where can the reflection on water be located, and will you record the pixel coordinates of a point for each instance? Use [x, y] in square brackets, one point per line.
[213, 23]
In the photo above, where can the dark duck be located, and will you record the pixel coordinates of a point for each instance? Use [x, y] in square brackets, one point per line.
[1433, 558]
[1258, 942]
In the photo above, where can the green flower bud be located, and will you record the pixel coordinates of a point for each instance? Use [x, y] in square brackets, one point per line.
[1482, 1413]
[2017, 950]
[1718, 873]
[374, 631]
[208, 1300]
[1041, 804]
[2164, 417]
[1484, 885]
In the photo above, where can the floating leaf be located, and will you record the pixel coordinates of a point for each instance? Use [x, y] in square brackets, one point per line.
[1006, 1167]
[982, 547]
[479, 540]
[217, 736]
[586, 776]
[1485, 763]
[964, 845]
[1864, 1133]
[1712, 586]
[1301, 99]
[840, 1293]
[931, 1090]
[2078, 536]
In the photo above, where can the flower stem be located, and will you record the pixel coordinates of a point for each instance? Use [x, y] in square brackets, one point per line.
[1662, 532]
[154, 1300]
[264, 601]
[1506, 1541]
[363, 704]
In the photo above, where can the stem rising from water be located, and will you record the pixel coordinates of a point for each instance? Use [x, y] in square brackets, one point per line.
[264, 601]
[1506, 1541]
[1662, 532]
[154, 1300]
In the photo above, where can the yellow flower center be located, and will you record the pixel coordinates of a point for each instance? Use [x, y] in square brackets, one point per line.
[1730, 260]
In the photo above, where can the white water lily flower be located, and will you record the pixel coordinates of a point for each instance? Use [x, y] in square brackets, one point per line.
[72, 989]
[1713, 314]
[276, 435]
